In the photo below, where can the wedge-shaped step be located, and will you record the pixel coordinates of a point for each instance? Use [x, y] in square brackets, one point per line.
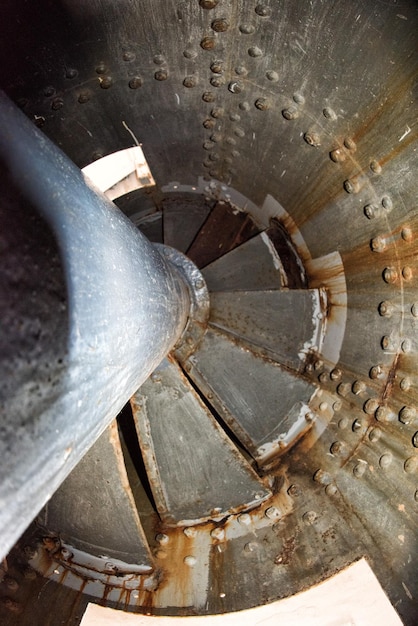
[195, 471]
[254, 265]
[263, 404]
[94, 509]
[225, 228]
[286, 325]
[183, 218]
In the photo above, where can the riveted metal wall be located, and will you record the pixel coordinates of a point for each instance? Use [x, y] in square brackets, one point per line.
[312, 105]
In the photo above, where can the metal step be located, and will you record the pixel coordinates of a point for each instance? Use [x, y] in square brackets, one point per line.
[254, 265]
[225, 228]
[286, 325]
[243, 386]
[182, 220]
[95, 500]
[194, 470]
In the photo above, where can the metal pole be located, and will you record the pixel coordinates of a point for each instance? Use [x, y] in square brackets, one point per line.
[88, 309]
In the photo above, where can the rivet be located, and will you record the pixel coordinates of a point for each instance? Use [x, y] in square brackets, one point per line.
[190, 81]
[128, 56]
[338, 155]
[208, 96]
[351, 186]
[234, 117]
[262, 10]
[309, 417]
[331, 490]
[159, 59]
[208, 4]
[110, 567]
[230, 141]
[406, 345]
[189, 53]
[239, 132]
[359, 469]
[349, 143]
[309, 517]
[189, 560]
[414, 309]
[390, 275]
[407, 273]
[217, 67]
[57, 104]
[161, 554]
[214, 173]
[358, 387]
[343, 389]
[416, 496]
[298, 98]
[357, 426]
[335, 374]
[272, 513]
[375, 372]
[101, 68]
[262, 104]
[190, 532]
[406, 234]
[312, 138]
[11, 583]
[337, 448]
[208, 145]
[217, 112]
[236, 154]
[246, 29]
[235, 87]
[214, 156]
[255, 52]
[71, 73]
[323, 407]
[83, 97]
[218, 534]
[405, 384]
[375, 434]
[272, 75]
[136, 82]
[208, 43]
[244, 106]
[329, 113]
[22, 102]
[251, 546]
[386, 308]
[415, 440]
[220, 25]
[407, 414]
[387, 342]
[49, 91]
[161, 75]
[322, 477]
[294, 491]
[371, 211]
[370, 406]
[337, 405]
[105, 82]
[323, 377]
[217, 81]
[244, 519]
[343, 423]
[318, 364]
[11, 605]
[411, 465]
[378, 244]
[375, 167]
[384, 414]
[162, 539]
[387, 203]
[241, 70]
[209, 123]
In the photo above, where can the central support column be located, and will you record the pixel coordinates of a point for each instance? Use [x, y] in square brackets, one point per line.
[89, 308]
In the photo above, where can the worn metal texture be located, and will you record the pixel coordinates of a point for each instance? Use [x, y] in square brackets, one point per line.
[303, 116]
[195, 472]
[106, 279]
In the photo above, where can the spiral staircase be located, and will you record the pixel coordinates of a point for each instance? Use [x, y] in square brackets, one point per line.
[275, 444]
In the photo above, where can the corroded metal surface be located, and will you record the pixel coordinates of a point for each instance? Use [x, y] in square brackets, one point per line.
[303, 113]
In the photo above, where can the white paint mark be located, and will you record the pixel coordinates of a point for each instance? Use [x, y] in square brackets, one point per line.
[125, 125]
[358, 17]
[283, 173]
[177, 98]
[300, 47]
[408, 593]
[253, 136]
[408, 130]
[402, 17]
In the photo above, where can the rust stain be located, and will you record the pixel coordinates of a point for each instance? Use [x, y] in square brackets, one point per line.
[390, 380]
[286, 554]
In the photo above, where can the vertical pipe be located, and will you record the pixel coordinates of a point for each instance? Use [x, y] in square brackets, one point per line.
[88, 307]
